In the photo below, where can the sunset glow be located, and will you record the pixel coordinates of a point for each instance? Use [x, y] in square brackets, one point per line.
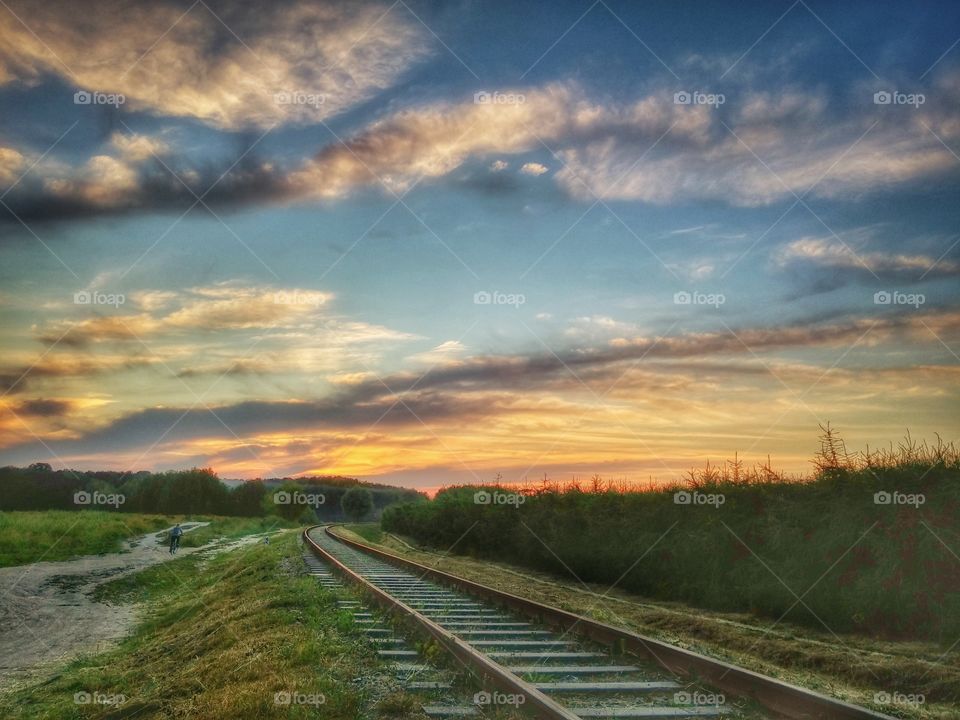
[429, 243]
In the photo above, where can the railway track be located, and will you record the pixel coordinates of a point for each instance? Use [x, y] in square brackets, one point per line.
[548, 662]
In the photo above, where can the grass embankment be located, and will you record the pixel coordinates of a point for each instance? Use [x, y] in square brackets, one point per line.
[30, 536]
[851, 668]
[220, 639]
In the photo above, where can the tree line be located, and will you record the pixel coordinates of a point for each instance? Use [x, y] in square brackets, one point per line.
[195, 491]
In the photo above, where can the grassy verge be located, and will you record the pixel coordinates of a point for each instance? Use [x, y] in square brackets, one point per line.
[59, 534]
[852, 668]
[370, 532]
[220, 639]
[231, 528]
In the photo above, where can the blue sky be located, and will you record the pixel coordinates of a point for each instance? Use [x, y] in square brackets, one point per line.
[300, 206]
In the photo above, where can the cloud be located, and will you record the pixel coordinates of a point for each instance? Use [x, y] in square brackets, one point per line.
[534, 168]
[11, 163]
[17, 378]
[650, 149]
[430, 141]
[215, 61]
[139, 172]
[43, 408]
[770, 152]
[441, 353]
[223, 307]
[827, 253]
[667, 371]
[283, 336]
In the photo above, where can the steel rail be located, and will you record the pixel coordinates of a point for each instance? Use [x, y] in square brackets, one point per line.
[486, 668]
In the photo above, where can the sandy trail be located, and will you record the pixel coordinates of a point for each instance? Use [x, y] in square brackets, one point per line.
[47, 615]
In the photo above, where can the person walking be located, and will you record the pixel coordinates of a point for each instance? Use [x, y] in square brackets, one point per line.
[175, 536]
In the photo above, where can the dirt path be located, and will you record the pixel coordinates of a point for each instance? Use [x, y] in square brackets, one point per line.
[47, 615]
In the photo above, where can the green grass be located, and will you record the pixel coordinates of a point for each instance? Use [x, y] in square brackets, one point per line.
[220, 638]
[59, 534]
[30, 536]
[370, 532]
[230, 528]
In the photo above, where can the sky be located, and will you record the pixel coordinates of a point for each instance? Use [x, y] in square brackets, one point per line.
[429, 243]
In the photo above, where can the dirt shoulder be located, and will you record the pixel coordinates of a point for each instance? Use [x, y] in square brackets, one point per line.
[886, 676]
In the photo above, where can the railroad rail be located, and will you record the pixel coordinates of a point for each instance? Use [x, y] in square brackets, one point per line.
[563, 665]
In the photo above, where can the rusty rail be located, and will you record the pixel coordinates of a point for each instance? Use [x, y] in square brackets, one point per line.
[490, 671]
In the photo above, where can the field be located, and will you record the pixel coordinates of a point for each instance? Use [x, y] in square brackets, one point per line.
[59, 534]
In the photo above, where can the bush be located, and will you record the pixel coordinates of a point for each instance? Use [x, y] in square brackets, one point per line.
[855, 561]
